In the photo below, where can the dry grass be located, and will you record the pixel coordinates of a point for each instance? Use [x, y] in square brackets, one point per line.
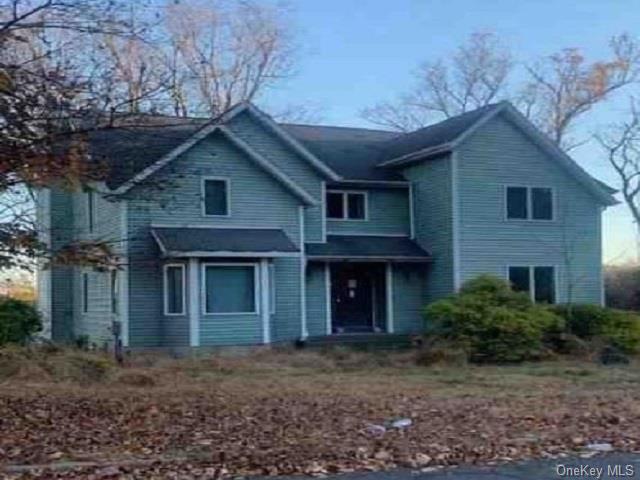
[286, 411]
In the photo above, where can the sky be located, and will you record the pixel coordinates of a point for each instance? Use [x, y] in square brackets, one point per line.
[353, 54]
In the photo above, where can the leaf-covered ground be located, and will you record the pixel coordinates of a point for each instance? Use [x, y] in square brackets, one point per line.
[306, 413]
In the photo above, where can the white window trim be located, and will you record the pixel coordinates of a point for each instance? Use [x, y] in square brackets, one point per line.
[256, 289]
[530, 218]
[532, 283]
[227, 182]
[165, 286]
[345, 206]
[85, 292]
[272, 288]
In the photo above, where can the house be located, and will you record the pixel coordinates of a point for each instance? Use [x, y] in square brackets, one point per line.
[244, 231]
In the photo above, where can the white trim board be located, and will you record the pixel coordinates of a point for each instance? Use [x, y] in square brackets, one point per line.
[327, 298]
[389, 297]
[304, 332]
[282, 134]
[455, 222]
[204, 132]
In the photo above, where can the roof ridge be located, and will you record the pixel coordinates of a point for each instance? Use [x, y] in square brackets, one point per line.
[315, 125]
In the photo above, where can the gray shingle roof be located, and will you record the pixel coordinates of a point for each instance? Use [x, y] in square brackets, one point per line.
[182, 241]
[354, 246]
[353, 153]
[434, 135]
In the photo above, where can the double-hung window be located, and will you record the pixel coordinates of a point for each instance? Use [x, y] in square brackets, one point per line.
[230, 288]
[538, 281]
[529, 203]
[174, 289]
[215, 197]
[346, 205]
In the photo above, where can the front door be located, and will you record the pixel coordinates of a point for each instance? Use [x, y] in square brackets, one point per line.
[352, 292]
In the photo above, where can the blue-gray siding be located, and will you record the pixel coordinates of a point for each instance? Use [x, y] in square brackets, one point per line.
[257, 200]
[498, 155]
[388, 213]
[281, 155]
[409, 297]
[316, 299]
[433, 220]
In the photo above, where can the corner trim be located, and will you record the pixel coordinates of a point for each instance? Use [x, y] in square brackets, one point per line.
[124, 278]
[194, 297]
[327, 294]
[304, 333]
[455, 220]
[264, 301]
[412, 228]
[389, 292]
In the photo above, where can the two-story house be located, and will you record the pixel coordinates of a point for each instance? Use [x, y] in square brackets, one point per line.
[242, 231]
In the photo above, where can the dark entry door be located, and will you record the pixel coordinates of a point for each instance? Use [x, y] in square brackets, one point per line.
[352, 298]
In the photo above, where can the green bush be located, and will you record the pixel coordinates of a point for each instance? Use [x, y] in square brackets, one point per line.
[492, 322]
[19, 321]
[618, 328]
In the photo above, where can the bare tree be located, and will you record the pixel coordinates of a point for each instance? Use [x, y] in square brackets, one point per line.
[476, 76]
[622, 146]
[231, 52]
[564, 87]
[558, 91]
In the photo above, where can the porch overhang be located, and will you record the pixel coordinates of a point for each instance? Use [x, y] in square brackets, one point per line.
[367, 248]
[207, 242]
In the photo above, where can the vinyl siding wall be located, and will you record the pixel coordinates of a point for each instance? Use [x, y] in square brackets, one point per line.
[289, 162]
[409, 297]
[256, 200]
[96, 322]
[498, 155]
[388, 214]
[316, 299]
[432, 194]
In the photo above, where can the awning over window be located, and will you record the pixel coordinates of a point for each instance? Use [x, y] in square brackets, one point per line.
[367, 248]
[223, 242]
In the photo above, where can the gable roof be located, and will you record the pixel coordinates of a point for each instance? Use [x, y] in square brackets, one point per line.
[200, 134]
[354, 153]
[338, 153]
[451, 133]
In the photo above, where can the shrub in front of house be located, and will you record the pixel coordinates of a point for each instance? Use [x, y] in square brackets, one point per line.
[616, 328]
[19, 321]
[492, 323]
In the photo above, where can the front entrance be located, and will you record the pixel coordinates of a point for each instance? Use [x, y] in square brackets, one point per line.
[357, 297]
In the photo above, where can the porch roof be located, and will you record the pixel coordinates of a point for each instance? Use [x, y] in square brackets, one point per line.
[367, 248]
[223, 242]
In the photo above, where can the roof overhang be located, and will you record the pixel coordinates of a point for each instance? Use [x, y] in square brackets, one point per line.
[597, 188]
[203, 133]
[367, 248]
[203, 242]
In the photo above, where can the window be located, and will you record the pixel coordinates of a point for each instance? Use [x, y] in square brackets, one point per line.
[272, 288]
[174, 289]
[538, 282]
[85, 292]
[230, 288]
[542, 204]
[517, 202]
[113, 280]
[90, 210]
[346, 205]
[216, 197]
[529, 203]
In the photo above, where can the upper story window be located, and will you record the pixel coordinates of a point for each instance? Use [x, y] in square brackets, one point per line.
[529, 203]
[345, 205]
[215, 197]
[90, 210]
[538, 282]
